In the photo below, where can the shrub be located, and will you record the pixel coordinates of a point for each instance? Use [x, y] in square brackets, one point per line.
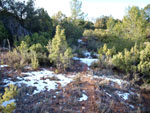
[19, 57]
[120, 44]
[22, 48]
[105, 56]
[16, 60]
[144, 65]
[60, 53]
[135, 60]
[40, 51]
[127, 60]
[99, 34]
[106, 52]
[36, 47]
[10, 93]
[34, 61]
[34, 39]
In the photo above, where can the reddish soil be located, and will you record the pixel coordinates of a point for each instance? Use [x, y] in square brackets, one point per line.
[66, 100]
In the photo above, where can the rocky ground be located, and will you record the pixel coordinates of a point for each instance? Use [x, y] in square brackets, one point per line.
[83, 91]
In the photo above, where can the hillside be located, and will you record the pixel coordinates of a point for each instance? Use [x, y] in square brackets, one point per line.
[63, 64]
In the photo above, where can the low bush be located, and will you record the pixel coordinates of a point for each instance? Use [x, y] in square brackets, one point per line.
[127, 60]
[106, 52]
[41, 53]
[135, 60]
[18, 57]
[105, 56]
[10, 93]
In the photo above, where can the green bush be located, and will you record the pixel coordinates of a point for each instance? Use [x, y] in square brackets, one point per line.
[127, 60]
[38, 48]
[98, 34]
[19, 57]
[41, 53]
[105, 55]
[36, 38]
[120, 44]
[60, 53]
[10, 93]
[34, 61]
[135, 60]
[144, 65]
[22, 55]
[106, 52]
[23, 47]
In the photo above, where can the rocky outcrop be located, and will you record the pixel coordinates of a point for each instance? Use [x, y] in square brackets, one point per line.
[13, 26]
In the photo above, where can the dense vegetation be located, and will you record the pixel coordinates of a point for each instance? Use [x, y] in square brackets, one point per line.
[10, 93]
[52, 41]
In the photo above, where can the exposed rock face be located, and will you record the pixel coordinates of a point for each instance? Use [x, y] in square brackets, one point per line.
[13, 26]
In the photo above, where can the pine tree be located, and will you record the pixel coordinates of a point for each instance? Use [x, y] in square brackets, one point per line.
[76, 12]
[60, 53]
[134, 24]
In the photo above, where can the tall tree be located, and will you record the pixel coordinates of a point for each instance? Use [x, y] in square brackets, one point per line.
[58, 18]
[101, 22]
[134, 24]
[76, 12]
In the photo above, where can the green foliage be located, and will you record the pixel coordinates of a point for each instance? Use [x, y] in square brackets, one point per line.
[96, 38]
[34, 61]
[76, 12]
[120, 44]
[105, 51]
[19, 57]
[105, 55]
[23, 55]
[101, 22]
[144, 65]
[23, 48]
[110, 23]
[57, 18]
[36, 38]
[3, 32]
[39, 22]
[38, 53]
[72, 30]
[60, 53]
[9, 94]
[134, 24]
[41, 38]
[127, 60]
[98, 34]
[38, 48]
[118, 29]
[135, 60]
[34, 19]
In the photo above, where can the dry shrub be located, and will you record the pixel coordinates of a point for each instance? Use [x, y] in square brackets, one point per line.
[16, 59]
[78, 78]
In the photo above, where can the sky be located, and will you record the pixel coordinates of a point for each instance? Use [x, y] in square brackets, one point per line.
[94, 8]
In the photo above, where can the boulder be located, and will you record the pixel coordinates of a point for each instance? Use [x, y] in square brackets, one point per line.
[13, 25]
